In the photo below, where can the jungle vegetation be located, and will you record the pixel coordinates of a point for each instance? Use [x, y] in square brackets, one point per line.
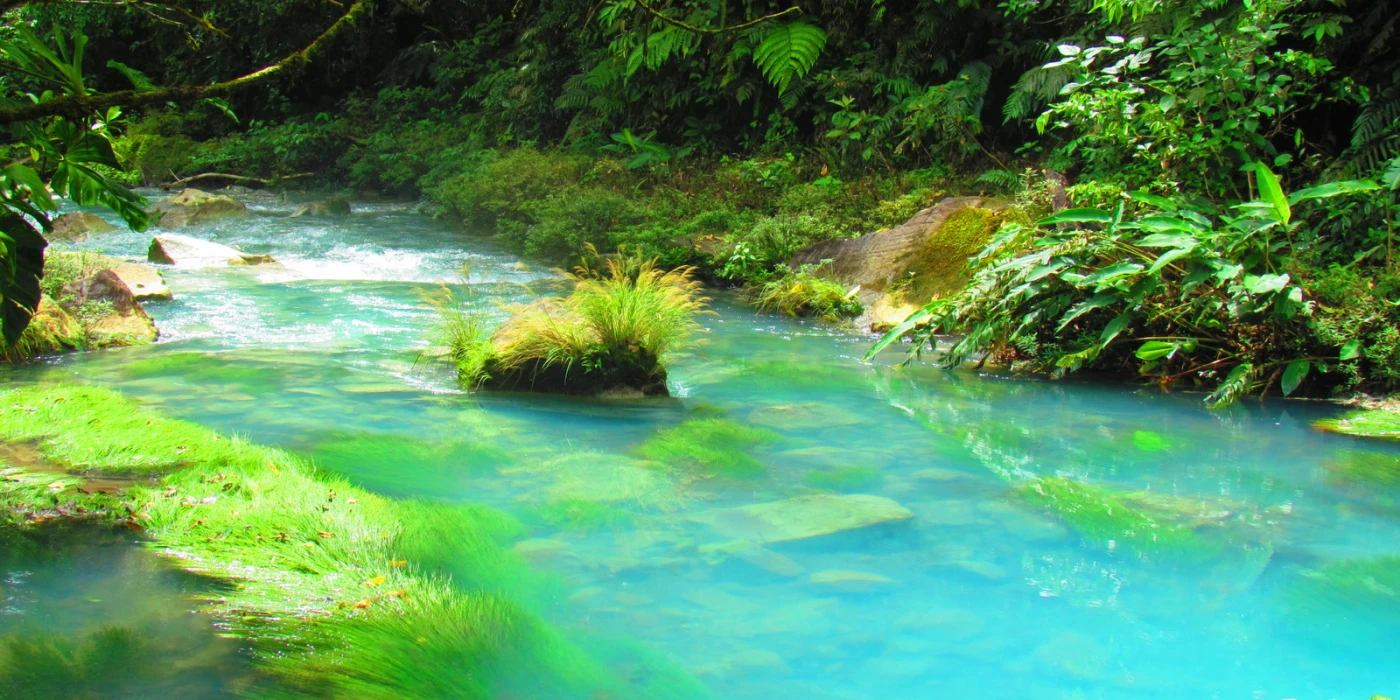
[1229, 222]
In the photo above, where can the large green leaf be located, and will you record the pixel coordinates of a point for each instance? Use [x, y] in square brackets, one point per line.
[1332, 189]
[1293, 375]
[1156, 350]
[1271, 193]
[789, 51]
[23, 258]
[1077, 216]
[898, 331]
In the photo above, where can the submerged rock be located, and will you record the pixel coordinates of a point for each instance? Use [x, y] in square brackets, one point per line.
[77, 226]
[803, 518]
[850, 581]
[802, 416]
[144, 282]
[335, 206]
[193, 207]
[174, 249]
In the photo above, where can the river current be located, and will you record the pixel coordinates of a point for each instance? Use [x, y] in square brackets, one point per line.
[983, 594]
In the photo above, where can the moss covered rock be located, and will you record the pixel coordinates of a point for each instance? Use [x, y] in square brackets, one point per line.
[919, 260]
[1377, 423]
[51, 331]
[86, 306]
[193, 207]
[78, 226]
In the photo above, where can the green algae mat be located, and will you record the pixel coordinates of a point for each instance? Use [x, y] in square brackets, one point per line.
[337, 592]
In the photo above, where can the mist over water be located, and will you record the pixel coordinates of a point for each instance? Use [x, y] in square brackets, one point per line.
[982, 594]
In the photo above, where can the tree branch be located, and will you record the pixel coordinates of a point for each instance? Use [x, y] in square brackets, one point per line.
[705, 30]
[79, 107]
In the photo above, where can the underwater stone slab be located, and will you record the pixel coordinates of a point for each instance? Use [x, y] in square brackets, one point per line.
[174, 249]
[850, 581]
[803, 518]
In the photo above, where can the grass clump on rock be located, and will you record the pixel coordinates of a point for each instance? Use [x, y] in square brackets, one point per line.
[805, 292]
[709, 447]
[609, 336]
[339, 592]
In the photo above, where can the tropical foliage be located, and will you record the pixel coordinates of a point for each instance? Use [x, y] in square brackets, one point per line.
[1166, 290]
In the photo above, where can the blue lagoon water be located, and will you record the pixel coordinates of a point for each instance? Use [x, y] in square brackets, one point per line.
[1283, 591]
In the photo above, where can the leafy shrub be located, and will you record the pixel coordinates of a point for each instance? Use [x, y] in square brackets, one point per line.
[805, 292]
[568, 222]
[505, 183]
[1192, 296]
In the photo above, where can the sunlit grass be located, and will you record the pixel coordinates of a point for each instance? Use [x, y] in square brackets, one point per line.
[416, 599]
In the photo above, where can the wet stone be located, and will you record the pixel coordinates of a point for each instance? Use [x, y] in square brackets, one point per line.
[851, 581]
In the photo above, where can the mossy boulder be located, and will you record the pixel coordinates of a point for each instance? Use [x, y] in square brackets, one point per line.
[1377, 423]
[174, 249]
[77, 226]
[921, 259]
[335, 206]
[193, 207]
[86, 306]
[51, 331]
[112, 316]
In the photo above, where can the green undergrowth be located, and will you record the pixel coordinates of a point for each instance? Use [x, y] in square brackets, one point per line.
[416, 599]
[709, 447]
[1370, 424]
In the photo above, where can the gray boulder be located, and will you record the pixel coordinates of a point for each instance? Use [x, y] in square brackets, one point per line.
[174, 249]
[78, 226]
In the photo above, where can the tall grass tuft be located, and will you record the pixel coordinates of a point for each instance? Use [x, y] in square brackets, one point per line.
[612, 331]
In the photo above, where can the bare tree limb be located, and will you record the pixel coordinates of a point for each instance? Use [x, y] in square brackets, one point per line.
[79, 107]
[232, 178]
[706, 30]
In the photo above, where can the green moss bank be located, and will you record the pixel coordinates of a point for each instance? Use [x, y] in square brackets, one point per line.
[338, 592]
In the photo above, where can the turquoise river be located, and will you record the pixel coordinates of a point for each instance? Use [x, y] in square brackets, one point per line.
[1287, 589]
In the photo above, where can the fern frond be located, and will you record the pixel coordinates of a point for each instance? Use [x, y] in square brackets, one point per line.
[789, 52]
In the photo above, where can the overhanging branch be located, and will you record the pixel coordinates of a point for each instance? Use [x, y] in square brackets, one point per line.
[707, 30]
[80, 107]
